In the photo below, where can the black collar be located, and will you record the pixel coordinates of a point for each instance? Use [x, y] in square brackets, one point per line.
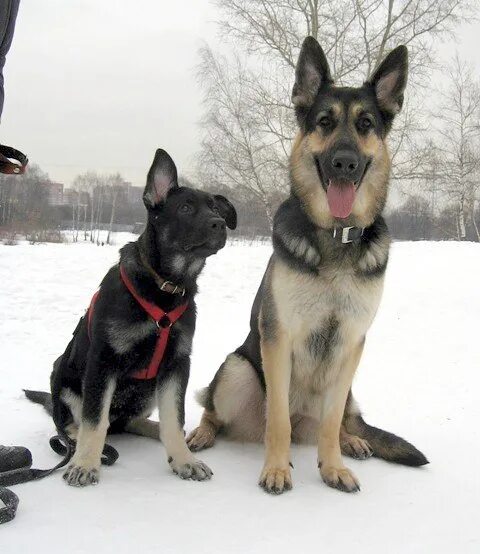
[347, 234]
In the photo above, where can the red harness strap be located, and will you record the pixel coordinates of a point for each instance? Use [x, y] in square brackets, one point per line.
[163, 320]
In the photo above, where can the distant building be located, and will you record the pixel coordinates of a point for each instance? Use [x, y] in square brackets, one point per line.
[135, 195]
[70, 197]
[55, 194]
[74, 197]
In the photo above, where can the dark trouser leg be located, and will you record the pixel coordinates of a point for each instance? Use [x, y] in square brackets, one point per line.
[8, 16]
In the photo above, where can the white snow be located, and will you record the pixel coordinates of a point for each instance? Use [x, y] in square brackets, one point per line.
[418, 378]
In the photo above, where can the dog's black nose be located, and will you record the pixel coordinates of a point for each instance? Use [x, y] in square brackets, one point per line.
[217, 224]
[345, 162]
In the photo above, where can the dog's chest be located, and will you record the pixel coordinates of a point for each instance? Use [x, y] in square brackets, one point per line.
[326, 316]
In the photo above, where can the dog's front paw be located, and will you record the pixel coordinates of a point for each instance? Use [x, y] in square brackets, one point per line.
[275, 480]
[193, 469]
[339, 478]
[79, 476]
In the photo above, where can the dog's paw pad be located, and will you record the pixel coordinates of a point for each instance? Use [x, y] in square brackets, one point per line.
[275, 480]
[78, 476]
[339, 478]
[194, 470]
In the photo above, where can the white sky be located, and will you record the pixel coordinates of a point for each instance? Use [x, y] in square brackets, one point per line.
[101, 84]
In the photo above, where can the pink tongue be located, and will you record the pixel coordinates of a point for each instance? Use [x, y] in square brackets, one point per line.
[341, 197]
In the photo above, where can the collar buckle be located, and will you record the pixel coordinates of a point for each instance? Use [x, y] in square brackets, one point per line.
[346, 234]
[175, 288]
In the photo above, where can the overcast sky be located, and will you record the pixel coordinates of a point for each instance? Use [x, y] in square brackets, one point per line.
[100, 84]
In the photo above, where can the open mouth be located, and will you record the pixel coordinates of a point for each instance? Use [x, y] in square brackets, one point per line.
[341, 193]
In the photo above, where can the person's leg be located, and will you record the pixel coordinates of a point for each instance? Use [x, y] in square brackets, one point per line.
[8, 16]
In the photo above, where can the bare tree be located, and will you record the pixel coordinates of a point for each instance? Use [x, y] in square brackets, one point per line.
[88, 184]
[114, 182]
[457, 151]
[235, 149]
[248, 123]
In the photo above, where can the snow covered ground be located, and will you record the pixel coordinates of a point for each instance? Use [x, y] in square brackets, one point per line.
[418, 378]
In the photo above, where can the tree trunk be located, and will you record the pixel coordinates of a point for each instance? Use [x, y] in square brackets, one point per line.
[475, 226]
[92, 214]
[73, 222]
[99, 216]
[461, 222]
[85, 222]
[112, 215]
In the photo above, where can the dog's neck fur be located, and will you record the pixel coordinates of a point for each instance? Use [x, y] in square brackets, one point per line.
[181, 268]
[302, 243]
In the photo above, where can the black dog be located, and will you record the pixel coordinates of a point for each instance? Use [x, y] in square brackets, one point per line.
[113, 373]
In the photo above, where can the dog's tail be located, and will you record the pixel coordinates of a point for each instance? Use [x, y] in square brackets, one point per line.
[202, 396]
[384, 444]
[40, 397]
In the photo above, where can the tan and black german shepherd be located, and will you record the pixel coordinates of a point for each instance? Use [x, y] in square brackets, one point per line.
[291, 378]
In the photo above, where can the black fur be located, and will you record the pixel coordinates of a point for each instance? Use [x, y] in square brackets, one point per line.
[184, 227]
[321, 341]
[292, 227]
[384, 444]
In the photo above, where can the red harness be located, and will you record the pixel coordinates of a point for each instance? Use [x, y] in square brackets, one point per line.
[163, 320]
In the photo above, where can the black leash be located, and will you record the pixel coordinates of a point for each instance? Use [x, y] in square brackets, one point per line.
[10, 499]
[62, 445]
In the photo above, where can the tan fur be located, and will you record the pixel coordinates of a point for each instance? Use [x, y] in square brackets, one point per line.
[372, 194]
[316, 303]
[90, 443]
[330, 462]
[204, 435]
[276, 358]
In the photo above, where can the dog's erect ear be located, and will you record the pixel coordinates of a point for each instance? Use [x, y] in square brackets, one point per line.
[161, 179]
[226, 210]
[311, 73]
[389, 80]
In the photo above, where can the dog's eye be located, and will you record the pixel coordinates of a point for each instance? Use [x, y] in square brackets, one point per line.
[325, 122]
[185, 209]
[364, 123]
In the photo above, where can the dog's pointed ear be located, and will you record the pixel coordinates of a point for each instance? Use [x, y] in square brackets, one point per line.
[311, 73]
[226, 210]
[161, 179]
[390, 79]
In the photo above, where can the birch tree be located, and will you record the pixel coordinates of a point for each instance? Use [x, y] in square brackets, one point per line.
[248, 123]
[457, 152]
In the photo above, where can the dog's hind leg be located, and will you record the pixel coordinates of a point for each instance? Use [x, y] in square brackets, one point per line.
[204, 435]
[354, 446]
[234, 405]
[144, 427]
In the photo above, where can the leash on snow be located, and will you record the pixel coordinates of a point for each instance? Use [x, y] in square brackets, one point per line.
[11, 457]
